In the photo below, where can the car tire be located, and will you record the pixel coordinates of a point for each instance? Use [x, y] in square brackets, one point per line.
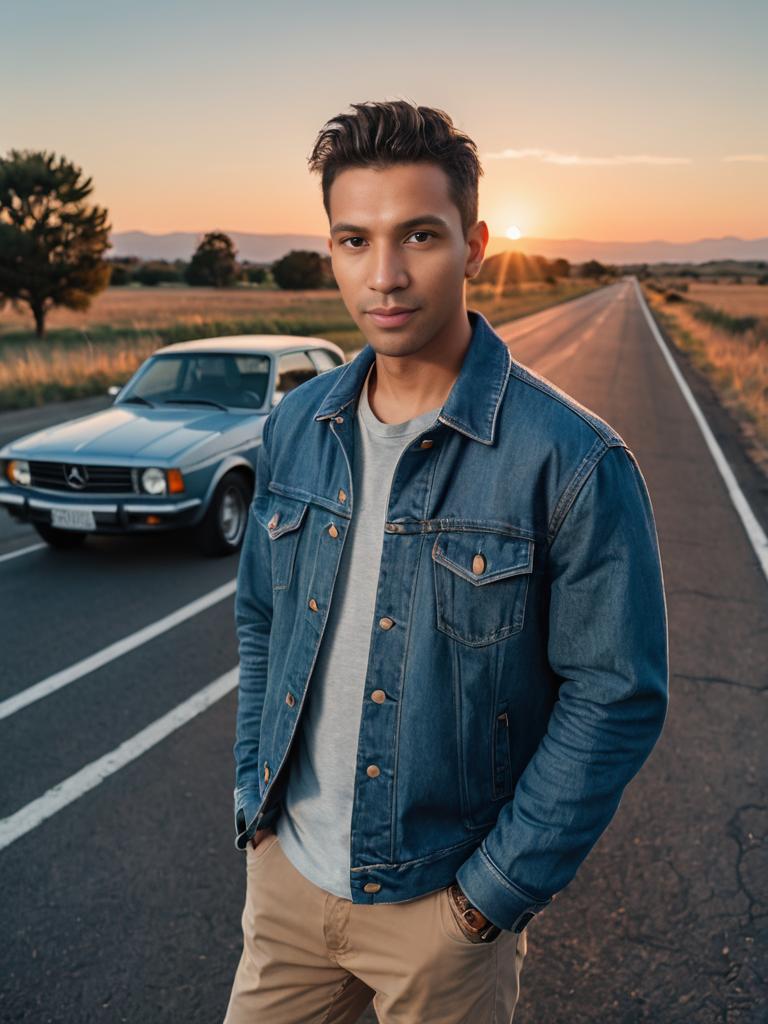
[222, 528]
[59, 538]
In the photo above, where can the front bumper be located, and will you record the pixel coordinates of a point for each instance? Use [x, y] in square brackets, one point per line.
[129, 514]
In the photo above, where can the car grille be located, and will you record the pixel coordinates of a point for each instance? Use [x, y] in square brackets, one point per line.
[100, 479]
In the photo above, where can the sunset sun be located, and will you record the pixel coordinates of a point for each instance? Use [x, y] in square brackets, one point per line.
[513, 232]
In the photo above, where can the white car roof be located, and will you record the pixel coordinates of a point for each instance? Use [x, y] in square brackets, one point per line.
[251, 343]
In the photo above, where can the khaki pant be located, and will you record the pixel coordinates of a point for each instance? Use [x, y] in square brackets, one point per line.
[310, 957]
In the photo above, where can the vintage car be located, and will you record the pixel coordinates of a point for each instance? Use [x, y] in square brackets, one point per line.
[175, 450]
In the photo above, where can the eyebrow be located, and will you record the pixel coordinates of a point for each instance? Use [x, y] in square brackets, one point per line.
[428, 218]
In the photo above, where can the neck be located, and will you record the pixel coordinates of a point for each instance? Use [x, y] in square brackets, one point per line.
[402, 387]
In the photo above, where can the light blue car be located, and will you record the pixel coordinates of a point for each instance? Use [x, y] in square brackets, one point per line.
[176, 449]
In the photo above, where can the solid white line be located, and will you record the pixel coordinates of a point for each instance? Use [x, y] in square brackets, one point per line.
[749, 520]
[22, 551]
[64, 793]
[116, 650]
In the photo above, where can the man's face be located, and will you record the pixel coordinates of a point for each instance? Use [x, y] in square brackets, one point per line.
[396, 241]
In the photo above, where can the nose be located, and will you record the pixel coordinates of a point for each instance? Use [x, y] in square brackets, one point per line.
[387, 269]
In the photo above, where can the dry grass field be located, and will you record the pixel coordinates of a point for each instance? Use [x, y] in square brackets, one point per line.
[731, 354]
[736, 299]
[138, 307]
[83, 353]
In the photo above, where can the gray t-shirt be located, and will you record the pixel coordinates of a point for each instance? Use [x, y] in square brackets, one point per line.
[314, 827]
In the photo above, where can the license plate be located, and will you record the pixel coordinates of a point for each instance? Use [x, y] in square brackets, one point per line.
[73, 518]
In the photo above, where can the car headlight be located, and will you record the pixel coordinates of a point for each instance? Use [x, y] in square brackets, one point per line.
[153, 481]
[17, 472]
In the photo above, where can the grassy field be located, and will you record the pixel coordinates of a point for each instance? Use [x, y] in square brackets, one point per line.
[84, 353]
[723, 328]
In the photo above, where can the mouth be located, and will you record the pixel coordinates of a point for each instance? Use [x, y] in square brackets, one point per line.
[390, 316]
[397, 317]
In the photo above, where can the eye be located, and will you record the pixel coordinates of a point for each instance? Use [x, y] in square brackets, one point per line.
[429, 234]
[353, 238]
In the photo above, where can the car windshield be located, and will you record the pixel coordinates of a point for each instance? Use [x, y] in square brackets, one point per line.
[228, 379]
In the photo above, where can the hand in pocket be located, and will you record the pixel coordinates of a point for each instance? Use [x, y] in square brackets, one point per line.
[258, 835]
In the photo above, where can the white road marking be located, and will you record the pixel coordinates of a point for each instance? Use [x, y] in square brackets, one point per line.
[64, 793]
[749, 520]
[120, 647]
[22, 551]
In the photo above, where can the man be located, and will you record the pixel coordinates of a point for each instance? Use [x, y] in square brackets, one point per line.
[451, 617]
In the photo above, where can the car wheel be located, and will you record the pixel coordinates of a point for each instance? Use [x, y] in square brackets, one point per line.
[223, 525]
[59, 538]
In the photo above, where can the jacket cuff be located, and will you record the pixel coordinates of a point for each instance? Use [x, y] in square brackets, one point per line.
[247, 820]
[247, 800]
[498, 899]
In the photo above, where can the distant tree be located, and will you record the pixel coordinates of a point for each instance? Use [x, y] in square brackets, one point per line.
[214, 262]
[121, 273]
[300, 268]
[154, 272]
[561, 267]
[592, 268]
[52, 243]
[254, 274]
[504, 270]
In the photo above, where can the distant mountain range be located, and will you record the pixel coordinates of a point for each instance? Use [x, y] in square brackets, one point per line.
[267, 248]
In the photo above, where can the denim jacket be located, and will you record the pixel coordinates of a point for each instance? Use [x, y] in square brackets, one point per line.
[518, 669]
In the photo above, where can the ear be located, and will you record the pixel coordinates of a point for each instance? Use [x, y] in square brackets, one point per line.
[477, 240]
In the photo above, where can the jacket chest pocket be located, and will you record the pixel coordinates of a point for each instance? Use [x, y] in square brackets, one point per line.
[282, 518]
[481, 584]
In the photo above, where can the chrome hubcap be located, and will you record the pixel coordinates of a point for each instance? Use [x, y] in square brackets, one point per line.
[231, 515]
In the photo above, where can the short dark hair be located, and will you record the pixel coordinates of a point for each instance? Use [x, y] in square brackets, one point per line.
[399, 132]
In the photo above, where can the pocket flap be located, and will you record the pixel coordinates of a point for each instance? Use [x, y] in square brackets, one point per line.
[278, 514]
[483, 557]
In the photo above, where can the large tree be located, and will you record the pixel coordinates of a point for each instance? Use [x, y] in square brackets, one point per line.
[298, 269]
[214, 262]
[52, 242]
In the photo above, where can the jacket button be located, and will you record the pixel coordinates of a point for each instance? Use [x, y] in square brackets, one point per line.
[478, 564]
[332, 530]
[386, 622]
[274, 521]
[426, 443]
[313, 604]
[371, 887]
[338, 419]
[342, 494]
[290, 700]
[373, 770]
[266, 772]
[379, 696]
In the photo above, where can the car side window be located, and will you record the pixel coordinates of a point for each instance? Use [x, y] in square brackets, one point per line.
[293, 369]
[323, 359]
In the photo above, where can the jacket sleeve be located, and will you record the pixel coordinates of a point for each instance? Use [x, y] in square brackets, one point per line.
[253, 623]
[607, 642]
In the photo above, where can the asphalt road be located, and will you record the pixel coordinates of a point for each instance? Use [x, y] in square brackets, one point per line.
[124, 905]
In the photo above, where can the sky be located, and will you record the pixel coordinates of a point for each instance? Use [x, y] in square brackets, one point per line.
[599, 120]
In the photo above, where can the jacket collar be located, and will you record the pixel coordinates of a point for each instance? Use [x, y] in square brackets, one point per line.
[472, 405]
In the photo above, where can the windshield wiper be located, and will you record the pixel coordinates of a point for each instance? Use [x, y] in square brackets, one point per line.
[137, 398]
[195, 401]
